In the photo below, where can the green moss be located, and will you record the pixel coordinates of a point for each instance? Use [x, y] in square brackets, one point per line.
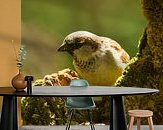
[43, 110]
[153, 10]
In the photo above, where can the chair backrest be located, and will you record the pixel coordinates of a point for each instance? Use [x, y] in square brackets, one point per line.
[79, 83]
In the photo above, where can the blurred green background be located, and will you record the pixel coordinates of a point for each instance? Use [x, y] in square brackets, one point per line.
[45, 23]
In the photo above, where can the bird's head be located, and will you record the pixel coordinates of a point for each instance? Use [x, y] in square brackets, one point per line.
[80, 43]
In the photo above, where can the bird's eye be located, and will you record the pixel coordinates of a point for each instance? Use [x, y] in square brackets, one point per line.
[92, 47]
[68, 41]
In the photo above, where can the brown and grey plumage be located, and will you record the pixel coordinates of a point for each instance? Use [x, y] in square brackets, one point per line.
[99, 60]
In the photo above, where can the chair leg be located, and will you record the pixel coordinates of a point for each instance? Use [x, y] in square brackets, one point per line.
[138, 123]
[69, 119]
[150, 122]
[131, 123]
[90, 120]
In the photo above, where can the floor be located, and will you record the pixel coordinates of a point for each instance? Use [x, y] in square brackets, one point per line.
[79, 127]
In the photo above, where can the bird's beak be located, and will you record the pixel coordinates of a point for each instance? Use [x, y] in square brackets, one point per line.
[63, 47]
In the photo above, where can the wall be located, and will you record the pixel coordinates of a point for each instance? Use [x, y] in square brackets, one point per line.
[10, 29]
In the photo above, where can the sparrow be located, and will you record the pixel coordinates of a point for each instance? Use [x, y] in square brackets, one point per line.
[100, 60]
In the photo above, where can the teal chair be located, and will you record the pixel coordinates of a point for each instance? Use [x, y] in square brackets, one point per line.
[79, 103]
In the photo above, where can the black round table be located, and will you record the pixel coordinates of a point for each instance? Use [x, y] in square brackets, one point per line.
[117, 113]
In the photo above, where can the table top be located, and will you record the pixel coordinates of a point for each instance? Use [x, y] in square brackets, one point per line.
[66, 91]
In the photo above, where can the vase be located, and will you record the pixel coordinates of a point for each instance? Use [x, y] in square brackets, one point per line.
[18, 82]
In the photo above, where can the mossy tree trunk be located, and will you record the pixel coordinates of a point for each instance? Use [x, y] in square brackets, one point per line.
[146, 68]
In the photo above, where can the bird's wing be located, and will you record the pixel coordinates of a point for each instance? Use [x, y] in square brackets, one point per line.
[114, 45]
[125, 57]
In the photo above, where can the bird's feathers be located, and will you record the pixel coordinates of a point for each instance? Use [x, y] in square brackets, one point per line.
[100, 60]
